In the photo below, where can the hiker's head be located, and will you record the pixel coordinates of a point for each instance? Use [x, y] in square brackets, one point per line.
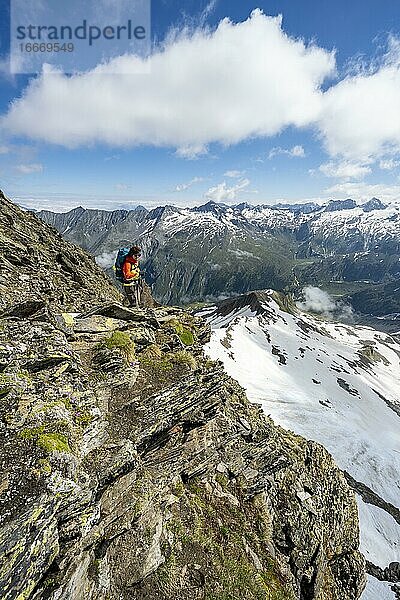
[135, 251]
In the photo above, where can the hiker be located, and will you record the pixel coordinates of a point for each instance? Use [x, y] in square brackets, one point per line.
[127, 271]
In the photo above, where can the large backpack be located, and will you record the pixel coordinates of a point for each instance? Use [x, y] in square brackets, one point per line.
[119, 263]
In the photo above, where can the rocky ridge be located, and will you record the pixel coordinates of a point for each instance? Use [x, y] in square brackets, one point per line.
[37, 263]
[334, 383]
[134, 467]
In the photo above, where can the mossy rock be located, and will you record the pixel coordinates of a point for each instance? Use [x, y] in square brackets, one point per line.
[48, 441]
[225, 544]
[183, 331]
[121, 341]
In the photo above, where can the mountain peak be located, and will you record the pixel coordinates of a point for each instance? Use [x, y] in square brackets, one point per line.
[373, 204]
[301, 207]
[334, 205]
[256, 301]
[211, 206]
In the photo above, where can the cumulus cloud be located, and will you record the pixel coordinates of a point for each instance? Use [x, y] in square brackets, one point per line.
[360, 117]
[223, 192]
[294, 152]
[344, 170]
[202, 87]
[181, 187]
[206, 86]
[28, 169]
[320, 302]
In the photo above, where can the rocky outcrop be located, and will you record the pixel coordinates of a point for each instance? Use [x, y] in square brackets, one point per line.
[36, 264]
[133, 467]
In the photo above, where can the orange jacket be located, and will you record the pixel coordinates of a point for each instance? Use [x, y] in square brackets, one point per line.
[130, 268]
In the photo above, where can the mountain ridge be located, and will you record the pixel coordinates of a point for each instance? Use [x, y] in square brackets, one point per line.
[338, 385]
[211, 251]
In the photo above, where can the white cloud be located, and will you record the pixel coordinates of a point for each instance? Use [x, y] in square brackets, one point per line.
[297, 151]
[192, 152]
[389, 164]
[4, 149]
[320, 302]
[202, 87]
[107, 259]
[122, 187]
[181, 187]
[29, 168]
[294, 152]
[222, 81]
[223, 192]
[234, 174]
[360, 117]
[363, 191]
[344, 170]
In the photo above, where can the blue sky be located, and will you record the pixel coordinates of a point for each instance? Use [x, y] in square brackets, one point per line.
[254, 110]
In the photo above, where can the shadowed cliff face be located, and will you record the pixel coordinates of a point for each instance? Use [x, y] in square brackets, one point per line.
[134, 467]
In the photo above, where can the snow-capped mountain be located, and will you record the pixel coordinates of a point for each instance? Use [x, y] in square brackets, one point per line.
[336, 384]
[215, 251]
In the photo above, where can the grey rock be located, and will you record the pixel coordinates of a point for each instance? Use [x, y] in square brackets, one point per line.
[150, 476]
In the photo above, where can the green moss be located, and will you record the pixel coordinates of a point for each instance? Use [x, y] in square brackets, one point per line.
[178, 489]
[183, 331]
[31, 434]
[83, 419]
[47, 406]
[53, 442]
[123, 342]
[222, 480]
[16, 382]
[186, 337]
[225, 531]
[44, 466]
[66, 401]
[49, 442]
[161, 365]
[239, 579]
